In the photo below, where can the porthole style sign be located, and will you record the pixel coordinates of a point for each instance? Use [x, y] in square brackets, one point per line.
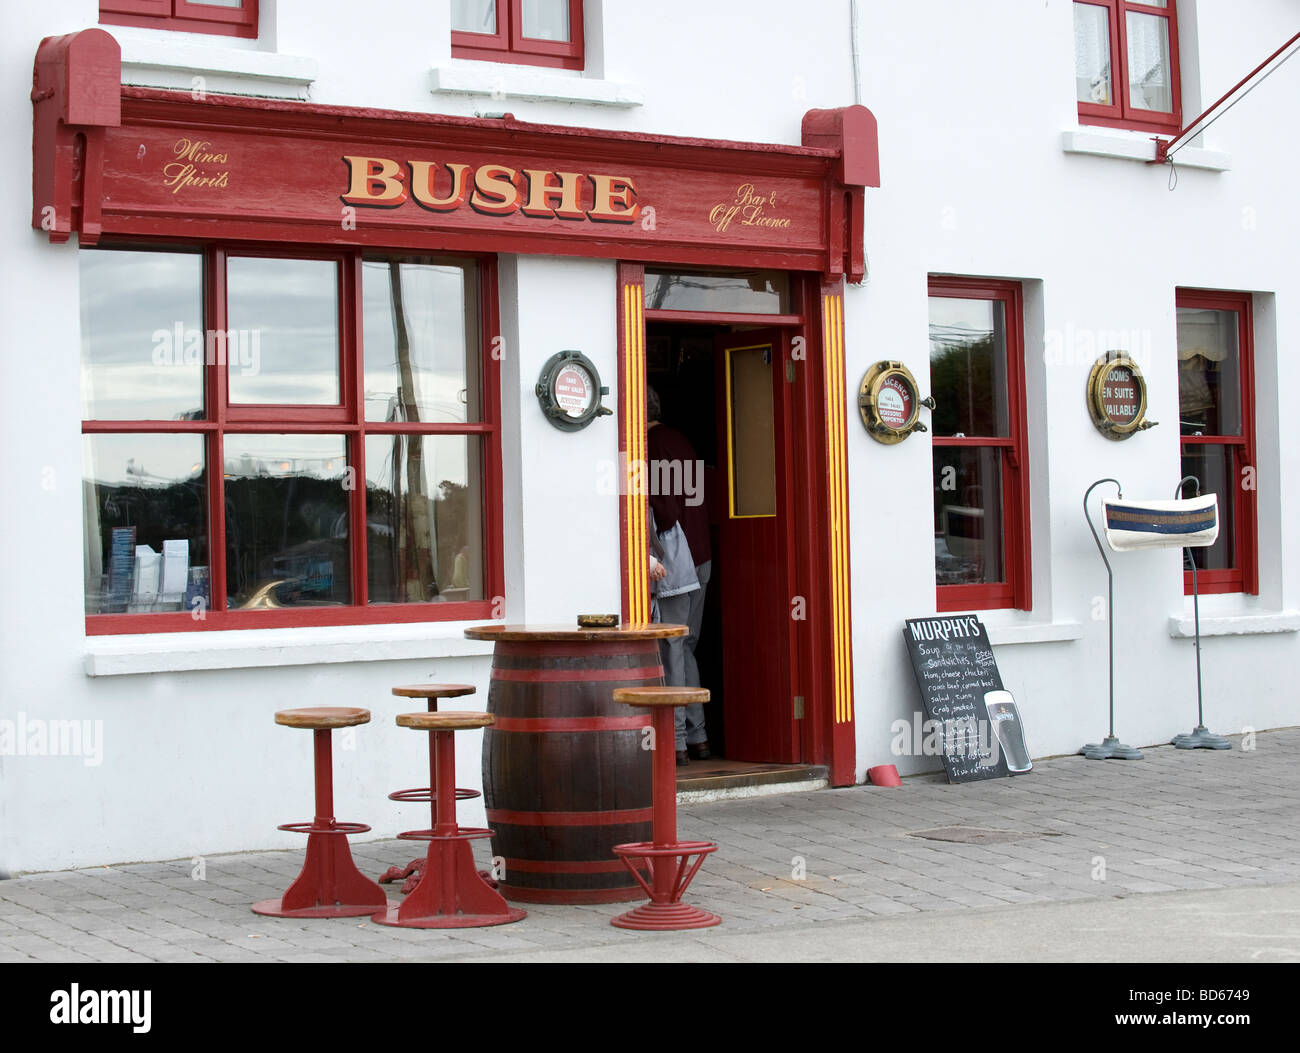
[569, 391]
[889, 402]
[1117, 396]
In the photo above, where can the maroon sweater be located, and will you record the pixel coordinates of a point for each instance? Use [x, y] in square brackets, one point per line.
[668, 444]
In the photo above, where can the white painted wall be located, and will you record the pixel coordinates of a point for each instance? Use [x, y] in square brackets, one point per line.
[972, 102]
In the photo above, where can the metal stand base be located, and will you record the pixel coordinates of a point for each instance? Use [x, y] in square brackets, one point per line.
[1201, 739]
[1110, 748]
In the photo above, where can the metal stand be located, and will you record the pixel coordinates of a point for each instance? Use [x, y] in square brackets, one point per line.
[1200, 738]
[1110, 748]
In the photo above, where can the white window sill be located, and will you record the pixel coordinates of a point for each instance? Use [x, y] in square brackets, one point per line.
[1240, 622]
[503, 81]
[255, 648]
[165, 62]
[1138, 146]
[1020, 627]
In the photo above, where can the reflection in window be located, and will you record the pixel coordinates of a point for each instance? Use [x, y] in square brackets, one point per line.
[424, 527]
[421, 341]
[145, 523]
[287, 521]
[474, 16]
[284, 320]
[757, 292]
[968, 367]
[143, 343]
[1209, 372]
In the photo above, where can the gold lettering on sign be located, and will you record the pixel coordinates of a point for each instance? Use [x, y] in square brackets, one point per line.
[491, 189]
[747, 208]
[195, 166]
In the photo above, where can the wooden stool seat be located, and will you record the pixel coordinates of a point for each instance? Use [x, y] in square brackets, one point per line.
[445, 721]
[660, 696]
[320, 717]
[433, 690]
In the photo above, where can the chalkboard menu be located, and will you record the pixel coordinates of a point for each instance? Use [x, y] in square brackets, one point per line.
[954, 667]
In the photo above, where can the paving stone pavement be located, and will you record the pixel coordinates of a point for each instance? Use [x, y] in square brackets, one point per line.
[1175, 821]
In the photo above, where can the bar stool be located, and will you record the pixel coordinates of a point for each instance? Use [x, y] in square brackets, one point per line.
[330, 885]
[667, 859]
[451, 894]
[414, 870]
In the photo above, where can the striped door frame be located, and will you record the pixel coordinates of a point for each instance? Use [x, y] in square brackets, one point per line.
[825, 639]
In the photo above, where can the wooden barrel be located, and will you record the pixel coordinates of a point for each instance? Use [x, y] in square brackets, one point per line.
[566, 775]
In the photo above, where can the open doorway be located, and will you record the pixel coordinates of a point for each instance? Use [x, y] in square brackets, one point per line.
[725, 389]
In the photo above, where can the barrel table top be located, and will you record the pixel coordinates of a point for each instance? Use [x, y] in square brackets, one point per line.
[574, 633]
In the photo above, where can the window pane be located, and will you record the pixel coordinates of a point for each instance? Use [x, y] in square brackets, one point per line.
[286, 521]
[474, 16]
[967, 515]
[1209, 372]
[1149, 85]
[424, 518]
[422, 345]
[145, 522]
[142, 339]
[1092, 54]
[758, 292]
[233, 4]
[283, 343]
[968, 367]
[546, 19]
[752, 442]
[1214, 467]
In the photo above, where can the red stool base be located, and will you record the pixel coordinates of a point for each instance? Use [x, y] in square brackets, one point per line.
[665, 917]
[330, 885]
[671, 871]
[451, 893]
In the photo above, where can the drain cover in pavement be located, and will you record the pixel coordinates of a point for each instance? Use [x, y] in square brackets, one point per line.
[973, 835]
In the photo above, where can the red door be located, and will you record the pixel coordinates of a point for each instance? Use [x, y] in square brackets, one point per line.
[756, 568]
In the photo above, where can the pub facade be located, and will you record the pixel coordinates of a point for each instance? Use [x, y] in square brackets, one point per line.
[332, 337]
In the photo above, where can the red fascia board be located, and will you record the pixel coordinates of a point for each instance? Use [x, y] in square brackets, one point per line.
[158, 106]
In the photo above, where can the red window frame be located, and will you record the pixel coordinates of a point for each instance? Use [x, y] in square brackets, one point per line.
[1119, 113]
[1016, 590]
[508, 43]
[347, 418]
[182, 16]
[1242, 504]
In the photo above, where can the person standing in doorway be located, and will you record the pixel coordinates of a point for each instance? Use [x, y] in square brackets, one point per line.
[672, 458]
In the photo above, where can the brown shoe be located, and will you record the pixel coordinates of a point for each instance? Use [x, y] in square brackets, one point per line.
[683, 759]
[699, 750]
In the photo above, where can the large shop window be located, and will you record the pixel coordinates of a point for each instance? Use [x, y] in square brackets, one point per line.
[279, 439]
[236, 18]
[981, 498]
[1126, 64]
[527, 32]
[1217, 422]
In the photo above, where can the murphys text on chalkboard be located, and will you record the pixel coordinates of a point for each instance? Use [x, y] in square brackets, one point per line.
[955, 667]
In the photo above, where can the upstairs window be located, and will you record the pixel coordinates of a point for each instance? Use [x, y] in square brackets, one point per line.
[235, 18]
[1126, 64]
[527, 32]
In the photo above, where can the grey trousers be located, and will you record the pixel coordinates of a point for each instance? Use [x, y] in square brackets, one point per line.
[678, 656]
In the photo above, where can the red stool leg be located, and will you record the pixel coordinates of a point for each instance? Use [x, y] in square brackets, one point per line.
[667, 859]
[451, 894]
[330, 885]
